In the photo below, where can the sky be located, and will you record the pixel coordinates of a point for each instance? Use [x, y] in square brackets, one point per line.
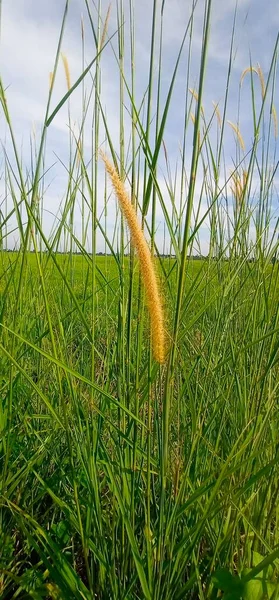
[29, 36]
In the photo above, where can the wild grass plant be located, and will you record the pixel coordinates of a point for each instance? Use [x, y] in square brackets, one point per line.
[134, 466]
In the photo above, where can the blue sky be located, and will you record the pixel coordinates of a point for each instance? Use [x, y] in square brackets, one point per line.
[29, 35]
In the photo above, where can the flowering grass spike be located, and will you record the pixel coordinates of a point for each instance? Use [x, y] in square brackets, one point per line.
[147, 267]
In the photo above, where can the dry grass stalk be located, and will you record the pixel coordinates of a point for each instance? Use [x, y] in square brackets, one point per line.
[147, 267]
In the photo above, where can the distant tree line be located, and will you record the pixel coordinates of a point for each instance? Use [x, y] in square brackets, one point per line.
[274, 259]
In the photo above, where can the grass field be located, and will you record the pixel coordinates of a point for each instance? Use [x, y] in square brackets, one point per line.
[81, 456]
[122, 476]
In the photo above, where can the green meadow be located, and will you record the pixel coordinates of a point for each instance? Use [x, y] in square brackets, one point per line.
[122, 478]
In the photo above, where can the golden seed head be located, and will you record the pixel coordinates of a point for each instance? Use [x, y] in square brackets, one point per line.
[238, 135]
[259, 72]
[79, 151]
[147, 266]
[275, 120]
[261, 78]
[239, 183]
[105, 29]
[67, 70]
[194, 94]
[218, 114]
[247, 70]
